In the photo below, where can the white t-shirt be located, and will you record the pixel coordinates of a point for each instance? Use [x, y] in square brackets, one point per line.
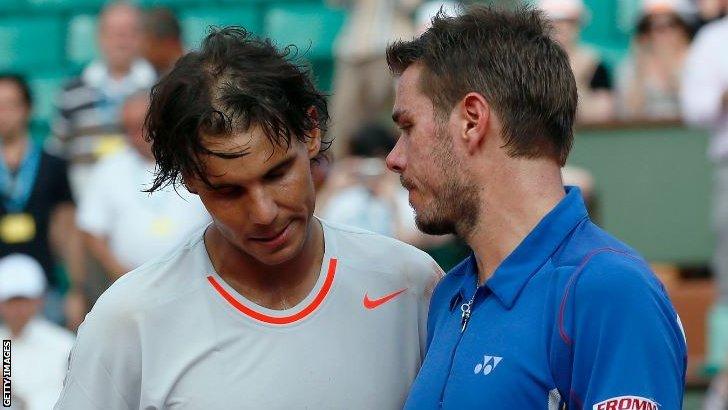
[173, 334]
[139, 226]
[39, 361]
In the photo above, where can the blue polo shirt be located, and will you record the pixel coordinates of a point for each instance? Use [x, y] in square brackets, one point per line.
[572, 316]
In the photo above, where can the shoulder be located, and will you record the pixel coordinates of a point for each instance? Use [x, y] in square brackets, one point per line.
[155, 283]
[615, 272]
[711, 37]
[380, 253]
[116, 165]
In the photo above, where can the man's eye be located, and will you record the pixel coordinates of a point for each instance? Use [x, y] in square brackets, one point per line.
[227, 191]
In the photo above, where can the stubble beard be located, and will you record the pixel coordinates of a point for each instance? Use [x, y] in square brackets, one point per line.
[456, 207]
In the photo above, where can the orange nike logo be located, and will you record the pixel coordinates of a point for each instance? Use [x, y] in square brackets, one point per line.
[375, 303]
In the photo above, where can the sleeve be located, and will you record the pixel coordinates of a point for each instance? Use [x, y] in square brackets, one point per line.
[105, 363]
[95, 212]
[601, 78]
[430, 275]
[702, 84]
[628, 348]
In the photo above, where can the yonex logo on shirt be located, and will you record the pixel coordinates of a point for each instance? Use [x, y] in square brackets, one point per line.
[488, 365]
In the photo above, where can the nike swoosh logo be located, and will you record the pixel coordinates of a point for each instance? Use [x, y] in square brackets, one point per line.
[375, 303]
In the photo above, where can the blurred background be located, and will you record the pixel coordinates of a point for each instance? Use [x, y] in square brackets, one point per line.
[651, 148]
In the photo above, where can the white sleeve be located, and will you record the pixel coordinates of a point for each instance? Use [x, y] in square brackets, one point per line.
[105, 365]
[94, 214]
[702, 83]
[429, 274]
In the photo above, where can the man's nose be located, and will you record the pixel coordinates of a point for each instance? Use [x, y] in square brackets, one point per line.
[396, 160]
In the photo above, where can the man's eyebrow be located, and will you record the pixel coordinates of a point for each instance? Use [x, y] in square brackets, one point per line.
[282, 164]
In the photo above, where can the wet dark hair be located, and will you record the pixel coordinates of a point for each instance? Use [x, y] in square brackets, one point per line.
[22, 84]
[234, 82]
[510, 58]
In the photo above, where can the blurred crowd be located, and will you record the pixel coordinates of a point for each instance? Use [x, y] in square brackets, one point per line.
[75, 215]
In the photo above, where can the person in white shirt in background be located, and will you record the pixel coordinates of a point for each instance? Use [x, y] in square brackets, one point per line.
[39, 348]
[123, 226]
[87, 127]
[705, 104]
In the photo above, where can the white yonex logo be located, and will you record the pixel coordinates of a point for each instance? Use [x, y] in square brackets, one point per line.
[488, 365]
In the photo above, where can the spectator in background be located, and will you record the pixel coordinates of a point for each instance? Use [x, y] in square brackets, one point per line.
[361, 192]
[162, 39]
[593, 81]
[366, 195]
[40, 348]
[705, 104]
[123, 226]
[87, 125]
[36, 211]
[649, 80]
[363, 89]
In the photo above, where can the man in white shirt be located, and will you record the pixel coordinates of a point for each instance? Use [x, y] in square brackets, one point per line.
[87, 127]
[122, 225]
[705, 104]
[268, 307]
[39, 348]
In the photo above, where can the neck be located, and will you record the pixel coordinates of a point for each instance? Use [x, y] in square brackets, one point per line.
[510, 210]
[275, 287]
[13, 149]
[16, 329]
[118, 72]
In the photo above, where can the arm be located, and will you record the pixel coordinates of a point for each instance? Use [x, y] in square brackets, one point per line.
[626, 340]
[703, 99]
[99, 248]
[95, 217]
[66, 241]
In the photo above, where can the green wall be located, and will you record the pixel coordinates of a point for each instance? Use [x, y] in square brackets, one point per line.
[654, 188]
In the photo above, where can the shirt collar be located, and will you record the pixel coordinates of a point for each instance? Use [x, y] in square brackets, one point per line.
[516, 270]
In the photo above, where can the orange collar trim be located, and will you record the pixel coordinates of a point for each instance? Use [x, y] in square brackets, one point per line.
[275, 320]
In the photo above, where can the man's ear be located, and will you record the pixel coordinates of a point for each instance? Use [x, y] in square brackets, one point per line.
[313, 144]
[189, 183]
[475, 120]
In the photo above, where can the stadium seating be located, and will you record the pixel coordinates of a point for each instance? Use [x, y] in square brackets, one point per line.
[45, 88]
[311, 27]
[197, 21]
[63, 5]
[30, 43]
[81, 44]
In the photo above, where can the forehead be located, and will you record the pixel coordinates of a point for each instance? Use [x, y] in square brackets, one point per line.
[261, 154]
[409, 96]
[10, 89]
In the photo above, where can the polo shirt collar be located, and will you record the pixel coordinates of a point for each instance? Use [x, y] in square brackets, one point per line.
[516, 270]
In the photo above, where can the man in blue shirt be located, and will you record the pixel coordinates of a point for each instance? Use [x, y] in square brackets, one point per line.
[549, 312]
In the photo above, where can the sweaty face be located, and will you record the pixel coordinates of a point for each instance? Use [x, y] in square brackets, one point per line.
[439, 191]
[261, 203]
